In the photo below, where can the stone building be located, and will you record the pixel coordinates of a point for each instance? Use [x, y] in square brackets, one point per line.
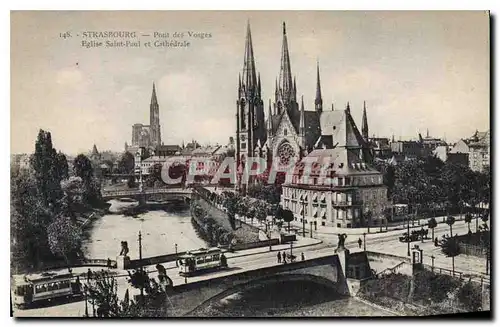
[355, 197]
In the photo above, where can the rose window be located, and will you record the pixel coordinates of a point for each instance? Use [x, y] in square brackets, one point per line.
[285, 153]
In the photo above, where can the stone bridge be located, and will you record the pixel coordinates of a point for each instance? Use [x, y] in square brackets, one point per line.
[144, 195]
[327, 271]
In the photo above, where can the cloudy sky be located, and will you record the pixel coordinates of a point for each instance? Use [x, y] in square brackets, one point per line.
[415, 70]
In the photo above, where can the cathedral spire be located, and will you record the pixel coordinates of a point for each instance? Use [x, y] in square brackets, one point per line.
[364, 125]
[302, 125]
[239, 84]
[294, 88]
[249, 75]
[154, 120]
[285, 77]
[154, 100]
[318, 102]
[259, 86]
[348, 108]
[269, 122]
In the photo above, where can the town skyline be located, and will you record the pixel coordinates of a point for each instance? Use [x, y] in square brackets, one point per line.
[363, 56]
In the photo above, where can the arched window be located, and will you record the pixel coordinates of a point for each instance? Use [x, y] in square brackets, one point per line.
[243, 117]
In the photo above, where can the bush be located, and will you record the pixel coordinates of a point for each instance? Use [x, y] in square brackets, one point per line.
[470, 297]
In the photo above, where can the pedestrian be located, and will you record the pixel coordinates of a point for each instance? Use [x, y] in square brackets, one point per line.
[109, 263]
[279, 257]
[283, 255]
[89, 275]
[70, 270]
[302, 257]
[78, 284]
[284, 259]
[360, 242]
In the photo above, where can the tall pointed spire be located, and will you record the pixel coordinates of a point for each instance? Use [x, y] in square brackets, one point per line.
[294, 88]
[302, 124]
[318, 102]
[239, 84]
[364, 124]
[269, 122]
[154, 100]
[154, 120]
[348, 108]
[259, 86]
[427, 134]
[285, 77]
[249, 79]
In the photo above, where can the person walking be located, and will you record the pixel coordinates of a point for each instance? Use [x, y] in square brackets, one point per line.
[360, 242]
[302, 257]
[279, 257]
[284, 259]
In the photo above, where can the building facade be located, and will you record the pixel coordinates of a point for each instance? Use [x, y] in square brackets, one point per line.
[355, 197]
[479, 155]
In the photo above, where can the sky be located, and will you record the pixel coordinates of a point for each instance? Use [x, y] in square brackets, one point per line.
[415, 70]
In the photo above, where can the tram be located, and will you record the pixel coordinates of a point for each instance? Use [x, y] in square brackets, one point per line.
[33, 288]
[202, 260]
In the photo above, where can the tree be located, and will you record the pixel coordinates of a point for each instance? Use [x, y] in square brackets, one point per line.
[62, 165]
[126, 163]
[73, 198]
[64, 237]
[470, 297]
[432, 223]
[82, 167]
[450, 220]
[451, 249]
[287, 216]
[46, 170]
[131, 183]
[468, 219]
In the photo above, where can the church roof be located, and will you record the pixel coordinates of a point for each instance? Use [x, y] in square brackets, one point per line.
[312, 126]
[340, 125]
[345, 161]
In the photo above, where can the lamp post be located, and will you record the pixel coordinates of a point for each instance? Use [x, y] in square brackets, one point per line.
[141, 270]
[432, 264]
[291, 248]
[408, 234]
[364, 242]
[303, 218]
[311, 229]
[86, 301]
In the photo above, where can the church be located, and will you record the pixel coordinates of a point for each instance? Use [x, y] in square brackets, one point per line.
[289, 132]
[356, 196]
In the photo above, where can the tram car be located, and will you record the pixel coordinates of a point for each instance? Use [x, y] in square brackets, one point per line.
[34, 288]
[202, 260]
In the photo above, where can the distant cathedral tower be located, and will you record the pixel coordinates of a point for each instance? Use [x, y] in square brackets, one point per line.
[154, 120]
[250, 126]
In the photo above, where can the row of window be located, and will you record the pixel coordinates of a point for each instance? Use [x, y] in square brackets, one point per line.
[41, 288]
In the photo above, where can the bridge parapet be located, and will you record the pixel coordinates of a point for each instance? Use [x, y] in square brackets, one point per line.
[194, 295]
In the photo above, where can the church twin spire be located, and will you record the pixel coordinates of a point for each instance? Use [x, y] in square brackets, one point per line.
[249, 79]
[286, 85]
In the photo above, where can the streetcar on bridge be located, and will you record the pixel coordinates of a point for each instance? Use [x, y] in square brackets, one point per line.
[202, 260]
[35, 288]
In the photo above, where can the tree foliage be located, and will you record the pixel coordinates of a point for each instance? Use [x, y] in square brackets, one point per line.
[64, 237]
[126, 163]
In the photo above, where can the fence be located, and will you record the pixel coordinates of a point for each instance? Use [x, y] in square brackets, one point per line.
[471, 249]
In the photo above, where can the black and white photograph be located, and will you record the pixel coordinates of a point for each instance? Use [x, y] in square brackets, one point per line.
[250, 164]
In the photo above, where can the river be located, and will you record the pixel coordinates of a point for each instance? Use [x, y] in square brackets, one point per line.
[161, 230]
[289, 299]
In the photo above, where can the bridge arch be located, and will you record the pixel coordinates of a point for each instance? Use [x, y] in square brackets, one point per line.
[246, 286]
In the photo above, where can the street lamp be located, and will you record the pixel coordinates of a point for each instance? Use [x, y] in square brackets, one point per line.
[364, 242]
[432, 258]
[311, 229]
[408, 234]
[303, 218]
[86, 301]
